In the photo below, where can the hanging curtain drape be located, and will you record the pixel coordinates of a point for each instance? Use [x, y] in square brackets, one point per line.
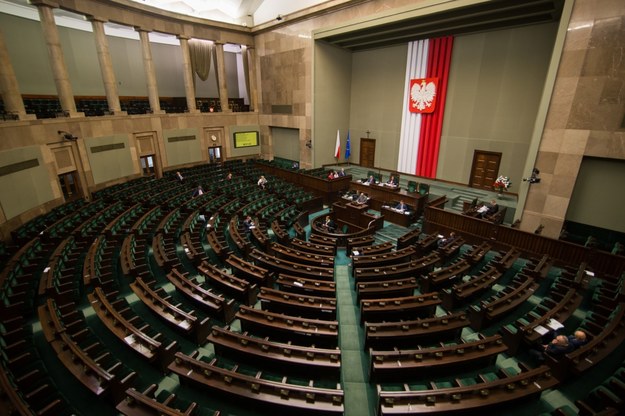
[201, 54]
[439, 61]
[246, 69]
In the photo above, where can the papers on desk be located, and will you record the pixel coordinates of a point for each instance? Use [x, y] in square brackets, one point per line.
[555, 325]
[251, 227]
[440, 236]
[355, 252]
[552, 325]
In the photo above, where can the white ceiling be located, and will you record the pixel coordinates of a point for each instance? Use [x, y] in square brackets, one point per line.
[241, 12]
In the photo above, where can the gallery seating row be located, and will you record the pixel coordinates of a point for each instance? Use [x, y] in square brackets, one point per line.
[240, 289]
[204, 297]
[26, 387]
[229, 381]
[405, 364]
[302, 331]
[138, 403]
[494, 308]
[376, 260]
[412, 268]
[382, 289]
[124, 323]
[277, 265]
[305, 286]
[79, 350]
[308, 306]
[465, 290]
[561, 303]
[297, 256]
[290, 358]
[175, 314]
[409, 333]
[464, 395]
[392, 309]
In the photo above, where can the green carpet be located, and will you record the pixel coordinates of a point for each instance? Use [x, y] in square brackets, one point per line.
[360, 396]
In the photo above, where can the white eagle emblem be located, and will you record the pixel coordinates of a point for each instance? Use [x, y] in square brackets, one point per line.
[422, 95]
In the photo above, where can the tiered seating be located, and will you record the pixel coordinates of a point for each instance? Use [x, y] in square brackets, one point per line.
[404, 364]
[81, 352]
[119, 318]
[202, 295]
[282, 395]
[463, 395]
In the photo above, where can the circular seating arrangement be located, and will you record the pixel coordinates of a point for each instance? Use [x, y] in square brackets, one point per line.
[151, 299]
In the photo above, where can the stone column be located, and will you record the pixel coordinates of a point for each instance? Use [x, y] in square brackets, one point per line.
[221, 77]
[251, 62]
[106, 65]
[57, 61]
[189, 89]
[150, 74]
[9, 87]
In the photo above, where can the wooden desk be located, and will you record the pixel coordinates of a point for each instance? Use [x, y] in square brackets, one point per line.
[397, 217]
[382, 195]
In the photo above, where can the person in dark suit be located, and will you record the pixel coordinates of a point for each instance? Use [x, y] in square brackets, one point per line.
[370, 180]
[578, 339]
[392, 181]
[444, 241]
[341, 172]
[362, 199]
[179, 177]
[329, 224]
[401, 206]
[198, 191]
[248, 223]
[559, 346]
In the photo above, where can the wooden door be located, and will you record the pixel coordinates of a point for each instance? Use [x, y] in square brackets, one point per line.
[485, 169]
[367, 152]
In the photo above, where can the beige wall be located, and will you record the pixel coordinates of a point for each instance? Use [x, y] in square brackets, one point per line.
[377, 79]
[495, 85]
[26, 188]
[590, 203]
[332, 72]
[108, 159]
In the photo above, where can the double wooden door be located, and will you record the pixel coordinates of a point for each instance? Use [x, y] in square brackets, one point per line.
[485, 169]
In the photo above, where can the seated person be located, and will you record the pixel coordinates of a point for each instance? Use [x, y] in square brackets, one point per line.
[559, 346]
[179, 177]
[444, 241]
[401, 206]
[262, 182]
[329, 224]
[488, 209]
[392, 181]
[362, 199]
[333, 175]
[229, 176]
[248, 223]
[341, 173]
[199, 191]
[578, 339]
[370, 180]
